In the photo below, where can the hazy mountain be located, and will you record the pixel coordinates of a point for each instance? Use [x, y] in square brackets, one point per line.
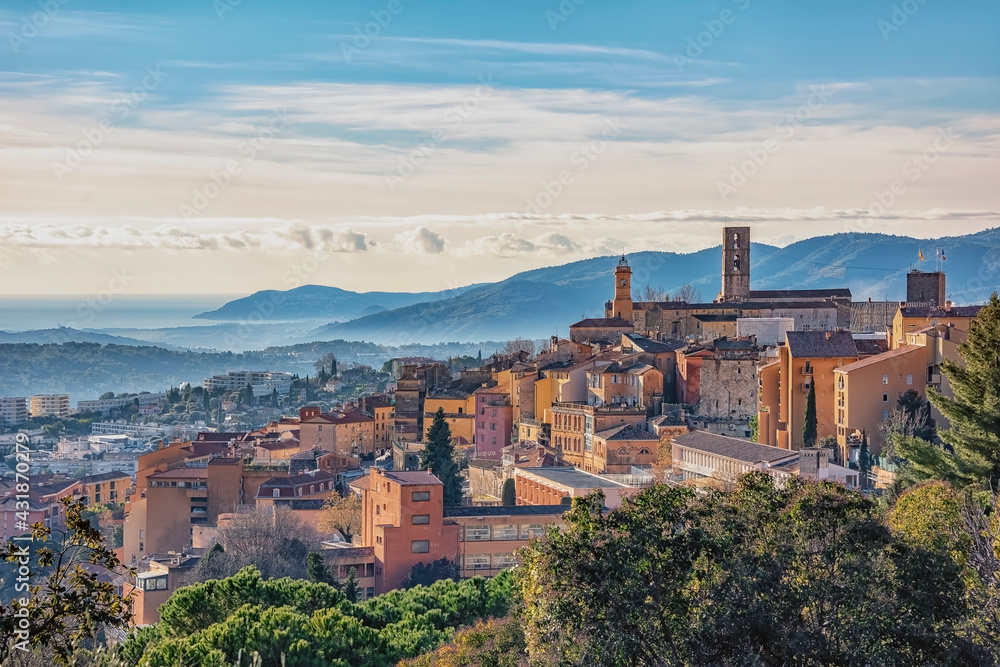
[545, 301]
[316, 302]
[66, 335]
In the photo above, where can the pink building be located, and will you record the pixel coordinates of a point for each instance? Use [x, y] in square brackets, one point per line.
[494, 422]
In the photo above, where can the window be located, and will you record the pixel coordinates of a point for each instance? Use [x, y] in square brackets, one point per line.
[477, 533]
[369, 592]
[885, 414]
[421, 519]
[505, 532]
[420, 496]
[275, 493]
[142, 534]
[504, 560]
[493, 427]
[885, 397]
[736, 262]
[494, 440]
[885, 378]
[530, 530]
[909, 378]
[494, 413]
[477, 561]
[644, 451]
[420, 546]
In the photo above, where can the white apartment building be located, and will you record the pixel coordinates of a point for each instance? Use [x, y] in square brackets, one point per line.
[106, 405]
[13, 410]
[125, 428]
[262, 382]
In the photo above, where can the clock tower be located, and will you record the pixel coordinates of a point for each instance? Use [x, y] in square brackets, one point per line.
[622, 305]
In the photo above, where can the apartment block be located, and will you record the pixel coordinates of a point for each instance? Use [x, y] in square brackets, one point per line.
[104, 488]
[13, 410]
[494, 417]
[350, 433]
[404, 522]
[262, 382]
[559, 485]
[807, 359]
[574, 426]
[50, 405]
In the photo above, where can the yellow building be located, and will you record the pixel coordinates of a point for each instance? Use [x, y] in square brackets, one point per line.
[867, 391]
[108, 487]
[351, 433]
[459, 411]
[910, 319]
[50, 405]
[806, 358]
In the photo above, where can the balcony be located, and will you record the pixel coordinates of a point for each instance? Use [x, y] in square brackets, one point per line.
[934, 378]
[807, 370]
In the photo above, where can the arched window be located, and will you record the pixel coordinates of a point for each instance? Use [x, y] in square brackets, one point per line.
[644, 451]
[736, 241]
[736, 262]
[623, 451]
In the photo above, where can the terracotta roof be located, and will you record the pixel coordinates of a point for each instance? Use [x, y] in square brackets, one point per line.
[812, 344]
[879, 358]
[181, 473]
[352, 417]
[281, 444]
[225, 461]
[200, 449]
[733, 448]
[499, 389]
[625, 432]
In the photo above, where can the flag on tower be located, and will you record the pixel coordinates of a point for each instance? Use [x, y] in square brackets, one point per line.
[942, 256]
[921, 253]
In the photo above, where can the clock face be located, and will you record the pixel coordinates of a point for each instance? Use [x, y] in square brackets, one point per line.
[623, 282]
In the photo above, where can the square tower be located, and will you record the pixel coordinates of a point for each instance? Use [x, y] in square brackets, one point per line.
[735, 264]
[925, 287]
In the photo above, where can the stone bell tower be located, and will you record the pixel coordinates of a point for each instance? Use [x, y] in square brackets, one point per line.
[622, 305]
[735, 264]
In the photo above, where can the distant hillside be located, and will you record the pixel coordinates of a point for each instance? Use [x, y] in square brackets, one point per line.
[66, 335]
[87, 370]
[538, 303]
[316, 302]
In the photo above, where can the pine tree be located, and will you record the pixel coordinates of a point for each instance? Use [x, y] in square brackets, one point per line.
[972, 443]
[333, 366]
[864, 461]
[351, 590]
[809, 427]
[307, 389]
[274, 397]
[439, 457]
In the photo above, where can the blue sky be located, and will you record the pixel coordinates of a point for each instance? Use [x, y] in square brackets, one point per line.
[465, 141]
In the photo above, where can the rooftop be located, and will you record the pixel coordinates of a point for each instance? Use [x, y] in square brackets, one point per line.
[181, 473]
[812, 344]
[625, 432]
[105, 476]
[654, 346]
[570, 477]
[602, 323]
[413, 478]
[940, 313]
[878, 358]
[505, 510]
[840, 292]
[733, 448]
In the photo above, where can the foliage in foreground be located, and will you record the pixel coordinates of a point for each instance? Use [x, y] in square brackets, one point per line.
[61, 600]
[808, 574]
[300, 623]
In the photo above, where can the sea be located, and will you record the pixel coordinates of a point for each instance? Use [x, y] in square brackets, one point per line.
[131, 311]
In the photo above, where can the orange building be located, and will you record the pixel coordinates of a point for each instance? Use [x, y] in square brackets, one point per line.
[807, 358]
[575, 424]
[383, 412]
[153, 587]
[555, 486]
[404, 522]
[350, 433]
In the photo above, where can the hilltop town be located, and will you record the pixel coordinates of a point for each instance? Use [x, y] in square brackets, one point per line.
[791, 383]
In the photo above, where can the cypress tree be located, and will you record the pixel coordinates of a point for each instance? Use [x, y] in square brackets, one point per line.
[972, 443]
[864, 461]
[439, 457]
[809, 427]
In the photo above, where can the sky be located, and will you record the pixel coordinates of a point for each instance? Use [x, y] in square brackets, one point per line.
[226, 146]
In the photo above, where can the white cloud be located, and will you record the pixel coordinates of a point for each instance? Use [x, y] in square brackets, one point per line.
[421, 241]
